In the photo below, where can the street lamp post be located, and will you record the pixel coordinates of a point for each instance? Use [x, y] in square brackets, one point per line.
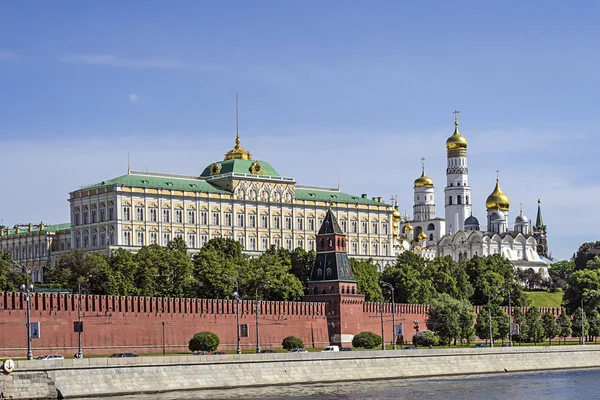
[236, 296]
[389, 285]
[510, 341]
[262, 285]
[490, 318]
[27, 288]
[79, 349]
[382, 325]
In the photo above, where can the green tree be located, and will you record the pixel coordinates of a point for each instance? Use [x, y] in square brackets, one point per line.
[489, 273]
[204, 341]
[366, 340]
[562, 269]
[216, 266]
[292, 342]
[587, 251]
[274, 267]
[550, 326]
[594, 320]
[367, 278]
[121, 279]
[501, 319]
[482, 324]
[579, 285]
[302, 263]
[444, 318]
[576, 324]
[533, 324]
[10, 278]
[466, 318]
[426, 338]
[564, 326]
[449, 277]
[408, 279]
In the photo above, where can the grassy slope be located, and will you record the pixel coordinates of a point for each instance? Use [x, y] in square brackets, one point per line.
[545, 299]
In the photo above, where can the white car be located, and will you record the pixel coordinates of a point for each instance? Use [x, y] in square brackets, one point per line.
[51, 357]
[329, 349]
[298, 351]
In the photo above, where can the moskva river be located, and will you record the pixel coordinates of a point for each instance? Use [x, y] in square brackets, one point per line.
[571, 385]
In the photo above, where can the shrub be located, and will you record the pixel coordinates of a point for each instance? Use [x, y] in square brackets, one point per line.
[204, 341]
[426, 338]
[366, 340]
[292, 342]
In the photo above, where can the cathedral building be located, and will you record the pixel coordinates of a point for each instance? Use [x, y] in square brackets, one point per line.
[459, 233]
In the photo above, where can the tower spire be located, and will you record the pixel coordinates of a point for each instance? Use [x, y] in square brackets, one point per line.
[539, 221]
[238, 151]
[423, 165]
[237, 119]
[455, 112]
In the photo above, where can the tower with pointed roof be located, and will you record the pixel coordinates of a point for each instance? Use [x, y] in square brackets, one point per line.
[332, 281]
[457, 192]
[424, 203]
[539, 232]
[497, 205]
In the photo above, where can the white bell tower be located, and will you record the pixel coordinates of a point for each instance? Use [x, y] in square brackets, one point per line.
[457, 194]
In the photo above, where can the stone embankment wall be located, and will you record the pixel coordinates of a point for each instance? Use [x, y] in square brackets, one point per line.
[103, 377]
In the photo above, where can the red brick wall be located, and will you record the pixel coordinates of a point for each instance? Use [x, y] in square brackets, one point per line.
[114, 324]
[405, 314]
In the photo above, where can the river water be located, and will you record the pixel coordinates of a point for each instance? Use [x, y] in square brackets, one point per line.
[559, 385]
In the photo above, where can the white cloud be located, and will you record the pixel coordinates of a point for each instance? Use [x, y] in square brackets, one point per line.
[6, 56]
[377, 163]
[111, 60]
[133, 97]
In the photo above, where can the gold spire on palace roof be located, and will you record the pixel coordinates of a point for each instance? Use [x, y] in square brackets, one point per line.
[238, 152]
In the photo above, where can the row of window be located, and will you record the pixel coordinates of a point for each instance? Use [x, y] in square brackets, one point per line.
[277, 222]
[88, 216]
[28, 251]
[458, 200]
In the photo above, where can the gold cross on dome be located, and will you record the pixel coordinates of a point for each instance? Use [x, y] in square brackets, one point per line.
[455, 112]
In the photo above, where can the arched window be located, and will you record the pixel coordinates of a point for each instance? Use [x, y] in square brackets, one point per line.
[467, 199]
[315, 290]
[343, 289]
[431, 227]
[331, 289]
[458, 199]
[431, 236]
[450, 200]
[353, 290]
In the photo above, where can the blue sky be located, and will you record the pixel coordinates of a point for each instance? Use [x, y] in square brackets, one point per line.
[364, 89]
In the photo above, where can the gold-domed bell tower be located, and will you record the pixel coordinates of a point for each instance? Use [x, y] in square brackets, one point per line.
[396, 217]
[424, 204]
[457, 194]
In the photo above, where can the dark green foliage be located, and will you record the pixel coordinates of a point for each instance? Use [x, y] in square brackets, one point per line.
[366, 340]
[292, 342]
[487, 274]
[451, 319]
[576, 324]
[426, 338]
[204, 341]
[587, 252]
[580, 284]
[10, 279]
[367, 279]
[551, 328]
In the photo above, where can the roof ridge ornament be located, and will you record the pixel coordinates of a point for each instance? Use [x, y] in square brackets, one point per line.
[238, 152]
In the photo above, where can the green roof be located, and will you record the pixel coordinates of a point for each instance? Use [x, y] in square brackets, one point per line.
[159, 182]
[47, 228]
[332, 196]
[241, 167]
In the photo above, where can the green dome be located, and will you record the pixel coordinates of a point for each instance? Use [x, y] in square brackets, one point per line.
[255, 167]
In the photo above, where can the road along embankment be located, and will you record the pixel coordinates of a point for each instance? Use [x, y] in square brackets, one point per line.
[119, 376]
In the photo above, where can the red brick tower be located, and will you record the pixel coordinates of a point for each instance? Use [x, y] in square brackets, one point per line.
[332, 282]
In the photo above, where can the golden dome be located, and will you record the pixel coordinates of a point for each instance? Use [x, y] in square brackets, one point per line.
[423, 181]
[408, 227]
[456, 141]
[396, 215]
[497, 200]
[238, 152]
[422, 236]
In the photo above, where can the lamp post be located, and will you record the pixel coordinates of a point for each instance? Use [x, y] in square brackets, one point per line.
[510, 341]
[389, 285]
[79, 349]
[490, 317]
[27, 288]
[382, 325]
[236, 296]
[260, 286]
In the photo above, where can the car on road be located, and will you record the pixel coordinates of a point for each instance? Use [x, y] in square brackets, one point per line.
[480, 345]
[51, 357]
[505, 345]
[329, 349]
[346, 349]
[202, 353]
[218, 353]
[298, 351]
[268, 351]
[123, 355]
[409, 348]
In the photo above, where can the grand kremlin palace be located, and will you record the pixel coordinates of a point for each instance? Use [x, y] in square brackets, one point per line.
[237, 198]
